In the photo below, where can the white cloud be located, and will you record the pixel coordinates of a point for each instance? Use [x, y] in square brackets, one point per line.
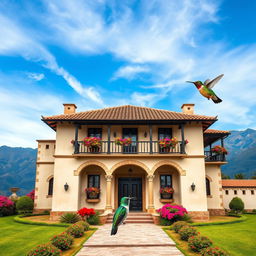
[130, 72]
[36, 76]
[16, 41]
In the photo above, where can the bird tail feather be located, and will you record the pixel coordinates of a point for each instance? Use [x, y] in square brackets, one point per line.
[216, 99]
[113, 231]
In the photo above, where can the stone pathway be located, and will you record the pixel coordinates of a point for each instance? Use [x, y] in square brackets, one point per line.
[130, 240]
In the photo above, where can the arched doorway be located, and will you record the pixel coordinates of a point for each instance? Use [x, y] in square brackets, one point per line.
[130, 180]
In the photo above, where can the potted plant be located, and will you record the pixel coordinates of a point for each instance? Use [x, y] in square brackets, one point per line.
[219, 150]
[93, 144]
[92, 192]
[166, 192]
[123, 142]
[166, 144]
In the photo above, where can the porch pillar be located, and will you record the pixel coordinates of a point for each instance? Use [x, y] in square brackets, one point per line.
[182, 139]
[151, 206]
[108, 192]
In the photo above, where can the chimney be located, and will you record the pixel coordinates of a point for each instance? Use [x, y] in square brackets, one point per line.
[188, 109]
[69, 108]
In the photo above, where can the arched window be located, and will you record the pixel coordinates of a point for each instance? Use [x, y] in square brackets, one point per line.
[208, 187]
[50, 187]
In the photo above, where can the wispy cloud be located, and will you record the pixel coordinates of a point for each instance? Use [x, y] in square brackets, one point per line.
[36, 76]
[17, 41]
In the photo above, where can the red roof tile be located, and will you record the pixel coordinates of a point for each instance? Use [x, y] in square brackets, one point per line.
[129, 112]
[211, 131]
[238, 183]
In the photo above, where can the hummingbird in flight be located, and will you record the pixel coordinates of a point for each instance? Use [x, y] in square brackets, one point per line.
[120, 214]
[206, 88]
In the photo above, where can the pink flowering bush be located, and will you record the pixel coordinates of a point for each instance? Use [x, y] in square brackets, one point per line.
[31, 194]
[171, 213]
[6, 206]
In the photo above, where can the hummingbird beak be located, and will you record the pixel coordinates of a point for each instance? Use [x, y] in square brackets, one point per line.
[189, 82]
[132, 198]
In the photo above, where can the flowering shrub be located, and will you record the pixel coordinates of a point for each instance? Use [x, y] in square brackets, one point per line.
[94, 219]
[92, 190]
[83, 224]
[62, 241]
[213, 251]
[31, 194]
[92, 141]
[186, 232]
[6, 206]
[166, 190]
[86, 212]
[76, 230]
[44, 250]
[197, 243]
[178, 225]
[172, 212]
[125, 142]
[168, 143]
[186, 141]
[219, 150]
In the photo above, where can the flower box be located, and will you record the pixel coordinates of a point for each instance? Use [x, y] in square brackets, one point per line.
[164, 201]
[92, 193]
[94, 201]
[219, 150]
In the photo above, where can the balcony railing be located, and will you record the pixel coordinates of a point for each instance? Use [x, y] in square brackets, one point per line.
[213, 157]
[136, 147]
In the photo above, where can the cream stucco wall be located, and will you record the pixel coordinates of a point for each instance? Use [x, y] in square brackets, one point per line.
[213, 173]
[44, 171]
[249, 198]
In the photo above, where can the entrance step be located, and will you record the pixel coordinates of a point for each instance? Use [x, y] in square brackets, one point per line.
[133, 217]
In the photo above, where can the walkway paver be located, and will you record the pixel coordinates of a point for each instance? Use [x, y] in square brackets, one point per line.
[131, 239]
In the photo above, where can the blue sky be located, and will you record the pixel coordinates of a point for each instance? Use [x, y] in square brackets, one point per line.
[105, 53]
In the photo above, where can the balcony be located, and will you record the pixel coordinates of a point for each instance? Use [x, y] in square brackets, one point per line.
[137, 147]
[213, 157]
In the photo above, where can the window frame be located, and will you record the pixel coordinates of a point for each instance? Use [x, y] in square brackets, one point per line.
[165, 181]
[93, 182]
[226, 192]
[252, 192]
[235, 192]
[92, 131]
[50, 186]
[164, 133]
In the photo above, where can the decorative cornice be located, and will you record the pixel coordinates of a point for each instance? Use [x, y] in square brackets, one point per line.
[150, 177]
[109, 178]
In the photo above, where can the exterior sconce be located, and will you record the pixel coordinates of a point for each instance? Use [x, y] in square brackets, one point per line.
[145, 134]
[130, 170]
[66, 186]
[193, 186]
[114, 134]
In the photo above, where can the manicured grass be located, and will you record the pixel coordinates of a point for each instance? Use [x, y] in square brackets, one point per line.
[17, 239]
[237, 238]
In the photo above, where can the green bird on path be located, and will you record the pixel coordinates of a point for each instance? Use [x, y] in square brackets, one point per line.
[120, 214]
[206, 88]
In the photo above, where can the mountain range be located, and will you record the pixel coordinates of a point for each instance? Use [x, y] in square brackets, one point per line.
[18, 165]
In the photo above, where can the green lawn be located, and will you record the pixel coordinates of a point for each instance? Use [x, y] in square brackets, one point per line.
[16, 239]
[239, 239]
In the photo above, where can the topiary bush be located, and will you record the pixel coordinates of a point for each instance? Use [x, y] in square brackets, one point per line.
[7, 206]
[44, 250]
[213, 251]
[178, 225]
[25, 205]
[84, 224]
[76, 230]
[236, 204]
[186, 232]
[197, 243]
[69, 218]
[62, 241]
[94, 219]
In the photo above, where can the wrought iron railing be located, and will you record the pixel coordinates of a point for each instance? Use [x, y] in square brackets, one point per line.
[136, 147]
[213, 157]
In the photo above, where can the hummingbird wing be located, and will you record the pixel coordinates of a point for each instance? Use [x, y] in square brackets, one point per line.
[214, 81]
[207, 81]
[119, 216]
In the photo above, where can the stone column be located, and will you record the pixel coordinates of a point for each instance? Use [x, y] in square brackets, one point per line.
[151, 207]
[108, 193]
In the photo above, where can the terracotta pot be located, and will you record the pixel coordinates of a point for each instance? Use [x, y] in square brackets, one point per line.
[166, 196]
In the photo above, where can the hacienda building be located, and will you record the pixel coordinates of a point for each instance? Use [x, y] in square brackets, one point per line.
[128, 160]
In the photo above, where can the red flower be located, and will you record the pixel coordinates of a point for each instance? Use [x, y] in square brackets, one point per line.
[86, 212]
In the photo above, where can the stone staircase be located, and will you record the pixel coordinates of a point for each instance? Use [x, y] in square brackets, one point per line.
[134, 217]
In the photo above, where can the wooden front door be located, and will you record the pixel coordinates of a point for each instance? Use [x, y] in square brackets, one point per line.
[131, 187]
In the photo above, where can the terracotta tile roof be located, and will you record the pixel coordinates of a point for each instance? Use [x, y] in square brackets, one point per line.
[238, 183]
[211, 131]
[129, 112]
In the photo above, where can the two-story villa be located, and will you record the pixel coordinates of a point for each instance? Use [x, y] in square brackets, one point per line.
[66, 166]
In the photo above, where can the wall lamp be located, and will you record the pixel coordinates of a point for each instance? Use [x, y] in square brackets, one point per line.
[145, 134]
[193, 186]
[114, 134]
[66, 186]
